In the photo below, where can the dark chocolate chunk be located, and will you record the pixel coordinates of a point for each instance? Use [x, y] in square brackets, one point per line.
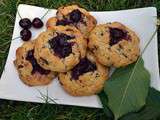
[82, 67]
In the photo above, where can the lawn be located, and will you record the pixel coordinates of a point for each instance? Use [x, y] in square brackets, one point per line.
[13, 110]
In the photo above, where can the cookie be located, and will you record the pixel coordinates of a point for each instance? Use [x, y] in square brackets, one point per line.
[86, 78]
[74, 16]
[114, 44]
[60, 48]
[28, 69]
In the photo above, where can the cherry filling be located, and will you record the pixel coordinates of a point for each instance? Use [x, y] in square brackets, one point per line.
[75, 16]
[35, 65]
[60, 46]
[117, 35]
[63, 22]
[82, 67]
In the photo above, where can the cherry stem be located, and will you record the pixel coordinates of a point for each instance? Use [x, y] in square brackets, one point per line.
[45, 14]
[16, 38]
[19, 14]
[40, 18]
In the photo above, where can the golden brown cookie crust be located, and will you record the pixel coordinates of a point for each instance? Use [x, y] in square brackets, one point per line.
[121, 54]
[51, 22]
[88, 83]
[46, 57]
[89, 22]
[24, 67]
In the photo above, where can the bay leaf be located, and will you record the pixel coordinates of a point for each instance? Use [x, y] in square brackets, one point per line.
[151, 111]
[127, 88]
[104, 100]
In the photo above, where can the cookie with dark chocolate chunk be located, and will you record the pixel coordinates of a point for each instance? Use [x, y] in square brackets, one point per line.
[73, 15]
[114, 44]
[30, 72]
[86, 78]
[60, 47]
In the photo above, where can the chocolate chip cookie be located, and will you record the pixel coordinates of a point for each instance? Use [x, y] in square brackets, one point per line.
[60, 48]
[75, 16]
[86, 78]
[30, 72]
[114, 44]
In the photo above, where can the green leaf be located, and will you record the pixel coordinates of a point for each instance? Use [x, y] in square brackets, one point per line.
[104, 101]
[153, 98]
[127, 88]
[151, 111]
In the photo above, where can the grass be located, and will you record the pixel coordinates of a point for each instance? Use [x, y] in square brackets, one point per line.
[13, 110]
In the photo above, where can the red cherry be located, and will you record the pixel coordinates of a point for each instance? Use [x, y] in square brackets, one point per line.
[37, 23]
[25, 23]
[26, 34]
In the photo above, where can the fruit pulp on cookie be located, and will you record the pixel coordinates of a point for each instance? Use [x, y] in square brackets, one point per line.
[60, 45]
[117, 35]
[82, 67]
[35, 65]
[74, 17]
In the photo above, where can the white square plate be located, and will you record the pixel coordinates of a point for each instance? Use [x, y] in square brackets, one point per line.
[142, 21]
